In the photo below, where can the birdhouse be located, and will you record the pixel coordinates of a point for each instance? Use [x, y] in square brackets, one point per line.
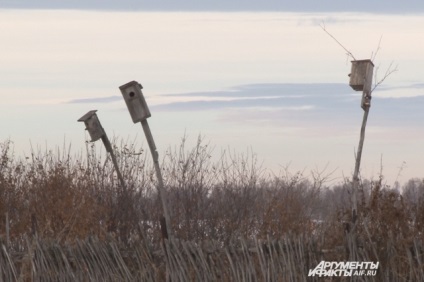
[135, 101]
[361, 75]
[93, 125]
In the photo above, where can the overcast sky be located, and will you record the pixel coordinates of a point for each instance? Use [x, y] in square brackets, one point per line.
[388, 6]
[268, 79]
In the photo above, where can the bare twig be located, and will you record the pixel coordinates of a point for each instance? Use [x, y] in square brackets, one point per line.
[381, 176]
[348, 53]
[322, 176]
[374, 54]
[391, 69]
[401, 168]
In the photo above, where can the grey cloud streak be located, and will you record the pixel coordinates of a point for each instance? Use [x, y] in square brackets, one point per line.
[101, 100]
[309, 103]
[322, 102]
[274, 95]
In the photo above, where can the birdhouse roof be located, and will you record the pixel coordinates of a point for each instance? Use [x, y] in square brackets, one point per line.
[131, 83]
[88, 115]
[363, 61]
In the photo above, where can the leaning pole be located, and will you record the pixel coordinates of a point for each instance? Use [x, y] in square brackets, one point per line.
[139, 112]
[360, 80]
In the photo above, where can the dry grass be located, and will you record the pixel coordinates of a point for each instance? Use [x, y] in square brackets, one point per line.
[287, 259]
[54, 196]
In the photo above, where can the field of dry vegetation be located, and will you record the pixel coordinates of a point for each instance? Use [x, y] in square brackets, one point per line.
[54, 196]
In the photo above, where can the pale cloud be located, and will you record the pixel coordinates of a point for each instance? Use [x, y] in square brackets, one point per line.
[176, 51]
[267, 79]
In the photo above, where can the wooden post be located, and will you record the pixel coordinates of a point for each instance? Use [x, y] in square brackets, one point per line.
[139, 112]
[357, 166]
[360, 80]
[109, 149]
[97, 132]
[155, 155]
[7, 230]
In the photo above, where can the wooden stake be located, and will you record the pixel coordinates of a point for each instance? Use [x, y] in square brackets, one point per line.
[109, 149]
[161, 189]
[357, 166]
[7, 230]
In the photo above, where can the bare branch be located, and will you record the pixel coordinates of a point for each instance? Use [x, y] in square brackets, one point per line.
[391, 69]
[320, 177]
[374, 54]
[348, 53]
[401, 168]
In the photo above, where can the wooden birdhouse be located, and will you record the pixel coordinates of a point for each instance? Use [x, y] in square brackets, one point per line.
[135, 101]
[361, 75]
[92, 125]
